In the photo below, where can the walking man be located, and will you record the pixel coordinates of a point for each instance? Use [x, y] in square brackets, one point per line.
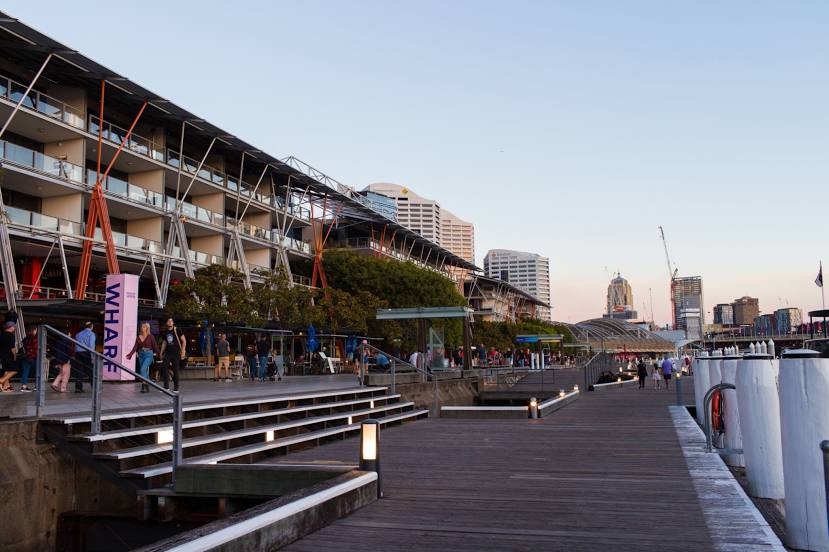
[642, 373]
[83, 357]
[173, 345]
[667, 371]
[263, 351]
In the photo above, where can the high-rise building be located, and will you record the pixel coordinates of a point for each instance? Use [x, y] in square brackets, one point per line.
[724, 314]
[787, 320]
[458, 236]
[764, 324]
[529, 272]
[746, 309]
[688, 305]
[427, 218]
[620, 300]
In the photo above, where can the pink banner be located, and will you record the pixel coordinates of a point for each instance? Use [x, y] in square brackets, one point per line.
[120, 323]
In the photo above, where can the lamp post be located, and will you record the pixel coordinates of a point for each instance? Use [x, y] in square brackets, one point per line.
[370, 450]
[533, 408]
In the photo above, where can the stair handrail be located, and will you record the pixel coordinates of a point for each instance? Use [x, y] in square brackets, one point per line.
[426, 374]
[98, 359]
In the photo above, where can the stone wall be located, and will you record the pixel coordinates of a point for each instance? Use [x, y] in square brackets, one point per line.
[38, 483]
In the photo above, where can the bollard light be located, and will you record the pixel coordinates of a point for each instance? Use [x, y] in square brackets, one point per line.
[576, 387]
[269, 436]
[371, 404]
[350, 420]
[533, 408]
[370, 450]
[561, 393]
[618, 380]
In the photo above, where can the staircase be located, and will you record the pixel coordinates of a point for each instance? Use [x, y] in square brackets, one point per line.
[134, 447]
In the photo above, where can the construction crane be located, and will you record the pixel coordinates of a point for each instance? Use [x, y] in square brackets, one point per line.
[672, 272]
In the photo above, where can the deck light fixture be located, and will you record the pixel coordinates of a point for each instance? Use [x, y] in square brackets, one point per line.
[370, 450]
[576, 387]
[562, 393]
[164, 436]
[269, 436]
[533, 408]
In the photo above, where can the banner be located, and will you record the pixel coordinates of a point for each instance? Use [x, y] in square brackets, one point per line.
[120, 323]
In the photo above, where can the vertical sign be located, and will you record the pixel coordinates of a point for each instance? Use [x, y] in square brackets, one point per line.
[120, 323]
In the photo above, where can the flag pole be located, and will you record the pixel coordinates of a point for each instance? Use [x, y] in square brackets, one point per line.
[822, 291]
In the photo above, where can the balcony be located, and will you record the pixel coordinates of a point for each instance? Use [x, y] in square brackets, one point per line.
[37, 101]
[124, 189]
[199, 258]
[295, 244]
[132, 242]
[250, 229]
[22, 217]
[31, 159]
[136, 144]
[301, 280]
[197, 213]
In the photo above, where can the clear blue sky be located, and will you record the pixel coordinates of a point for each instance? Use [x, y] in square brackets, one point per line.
[572, 129]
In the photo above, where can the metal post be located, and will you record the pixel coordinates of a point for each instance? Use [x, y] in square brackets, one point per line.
[393, 366]
[97, 386]
[362, 364]
[178, 421]
[824, 446]
[42, 376]
[678, 387]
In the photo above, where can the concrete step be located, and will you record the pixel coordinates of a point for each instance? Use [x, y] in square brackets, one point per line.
[218, 420]
[230, 435]
[249, 450]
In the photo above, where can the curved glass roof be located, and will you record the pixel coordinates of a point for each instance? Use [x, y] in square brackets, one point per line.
[617, 336]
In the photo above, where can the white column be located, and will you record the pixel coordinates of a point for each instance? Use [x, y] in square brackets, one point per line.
[804, 423]
[700, 384]
[733, 437]
[760, 424]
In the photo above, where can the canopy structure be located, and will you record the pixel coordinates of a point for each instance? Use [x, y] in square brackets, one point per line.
[616, 336]
[422, 314]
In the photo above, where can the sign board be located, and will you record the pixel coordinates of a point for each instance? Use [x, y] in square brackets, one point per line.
[120, 323]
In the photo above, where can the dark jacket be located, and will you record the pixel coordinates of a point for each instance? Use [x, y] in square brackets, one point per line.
[641, 370]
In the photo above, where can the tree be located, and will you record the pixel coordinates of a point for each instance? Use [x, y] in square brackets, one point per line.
[215, 293]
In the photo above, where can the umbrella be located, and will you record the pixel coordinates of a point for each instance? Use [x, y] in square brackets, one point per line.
[313, 344]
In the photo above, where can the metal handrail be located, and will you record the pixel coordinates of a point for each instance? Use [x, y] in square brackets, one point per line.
[425, 374]
[97, 388]
[707, 413]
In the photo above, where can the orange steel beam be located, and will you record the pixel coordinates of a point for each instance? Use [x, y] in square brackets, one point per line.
[98, 210]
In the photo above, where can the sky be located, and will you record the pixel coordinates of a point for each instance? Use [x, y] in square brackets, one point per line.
[573, 129]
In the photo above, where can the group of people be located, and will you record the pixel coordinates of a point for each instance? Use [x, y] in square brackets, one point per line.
[661, 370]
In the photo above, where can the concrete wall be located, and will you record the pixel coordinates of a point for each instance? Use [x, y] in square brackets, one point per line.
[151, 180]
[148, 228]
[460, 392]
[73, 150]
[69, 207]
[258, 257]
[38, 483]
[209, 244]
[211, 202]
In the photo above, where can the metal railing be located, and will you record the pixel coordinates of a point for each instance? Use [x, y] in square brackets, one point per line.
[136, 144]
[42, 103]
[598, 363]
[395, 365]
[129, 191]
[98, 362]
[42, 163]
[709, 438]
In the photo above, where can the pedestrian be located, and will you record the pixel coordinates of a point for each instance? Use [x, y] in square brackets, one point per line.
[83, 356]
[656, 376]
[146, 347]
[223, 352]
[62, 353]
[250, 357]
[642, 373]
[28, 359]
[8, 355]
[667, 371]
[263, 351]
[173, 347]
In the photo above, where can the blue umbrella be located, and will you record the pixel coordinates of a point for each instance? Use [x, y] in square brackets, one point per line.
[313, 344]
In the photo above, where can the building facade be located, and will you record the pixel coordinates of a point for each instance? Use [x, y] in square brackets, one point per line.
[746, 309]
[764, 325]
[689, 306]
[620, 300]
[529, 272]
[177, 192]
[724, 314]
[494, 300]
[427, 218]
[788, 320]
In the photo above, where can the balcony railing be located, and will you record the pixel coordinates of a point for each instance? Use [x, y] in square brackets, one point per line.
[23, 217]
[39, 162]
[301, 280]
[132, 242]
[295, 244]
[116, 135]
[250, 229]
[197, 213]
[37, 101]
[126, 190]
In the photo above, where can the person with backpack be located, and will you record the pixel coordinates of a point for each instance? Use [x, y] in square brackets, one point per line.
[173, 352]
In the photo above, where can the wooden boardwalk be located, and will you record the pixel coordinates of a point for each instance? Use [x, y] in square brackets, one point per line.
[605, 473]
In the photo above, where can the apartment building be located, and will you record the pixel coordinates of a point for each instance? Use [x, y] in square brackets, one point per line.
[746, 309]
[178, 192]
[528, 272]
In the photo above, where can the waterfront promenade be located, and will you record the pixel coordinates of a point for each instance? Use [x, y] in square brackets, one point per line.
[605, 473]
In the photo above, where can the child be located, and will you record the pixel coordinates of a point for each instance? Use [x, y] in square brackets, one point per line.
[656, 376]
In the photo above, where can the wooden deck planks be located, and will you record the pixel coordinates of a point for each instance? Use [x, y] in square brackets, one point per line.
[605, 473]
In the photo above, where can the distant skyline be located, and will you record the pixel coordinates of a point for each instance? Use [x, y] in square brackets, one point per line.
[568, 129]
